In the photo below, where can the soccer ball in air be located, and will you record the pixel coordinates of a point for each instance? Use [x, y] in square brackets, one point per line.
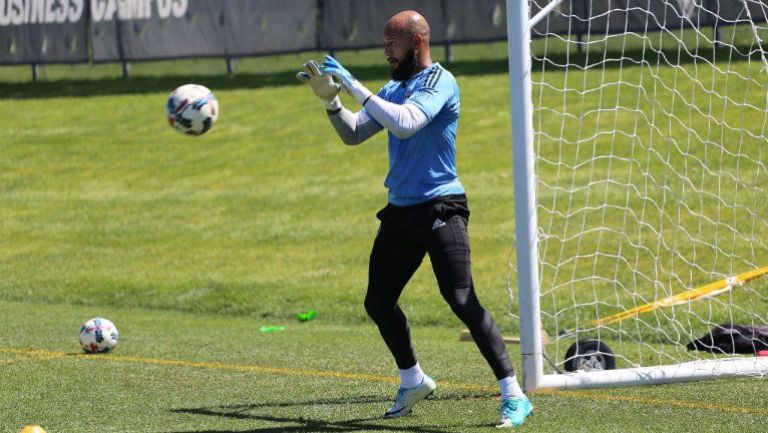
[192, 109]
[98, 335]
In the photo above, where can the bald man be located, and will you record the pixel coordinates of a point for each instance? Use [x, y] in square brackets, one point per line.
[427, 211]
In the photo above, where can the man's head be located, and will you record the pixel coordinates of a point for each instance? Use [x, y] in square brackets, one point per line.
[406, 44]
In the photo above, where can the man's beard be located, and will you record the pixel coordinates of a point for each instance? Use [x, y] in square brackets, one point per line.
[404, 69]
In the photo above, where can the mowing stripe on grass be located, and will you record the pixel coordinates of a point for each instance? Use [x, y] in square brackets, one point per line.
[45, 354]
[661, 402]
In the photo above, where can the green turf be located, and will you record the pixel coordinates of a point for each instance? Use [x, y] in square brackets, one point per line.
[267, 214]
[191, 244]
[209, 389]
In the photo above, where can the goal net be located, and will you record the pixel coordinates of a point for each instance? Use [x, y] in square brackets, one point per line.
[648, 139]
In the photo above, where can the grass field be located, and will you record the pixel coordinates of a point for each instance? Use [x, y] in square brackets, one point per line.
[184, 372]
[190, 245]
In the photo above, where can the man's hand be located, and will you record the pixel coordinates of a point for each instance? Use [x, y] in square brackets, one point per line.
[332, 67]
[322, 84]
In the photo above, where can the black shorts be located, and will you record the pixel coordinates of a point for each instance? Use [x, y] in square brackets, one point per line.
[409, 217]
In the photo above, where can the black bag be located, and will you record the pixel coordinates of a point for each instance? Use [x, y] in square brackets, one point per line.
[730, 339]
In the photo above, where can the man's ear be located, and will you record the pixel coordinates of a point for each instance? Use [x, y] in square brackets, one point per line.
[417, 40]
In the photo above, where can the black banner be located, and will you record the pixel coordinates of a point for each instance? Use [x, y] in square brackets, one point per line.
[37, 31]
[578, 17]
[45, 31]
[193, 28]
[275, 26]
[360, 23]
[145, 30]
[476, 21]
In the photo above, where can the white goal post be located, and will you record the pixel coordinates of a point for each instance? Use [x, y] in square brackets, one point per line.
[640, 160]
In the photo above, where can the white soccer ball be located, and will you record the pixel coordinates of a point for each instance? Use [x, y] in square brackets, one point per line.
[192, 109]
[98, 335]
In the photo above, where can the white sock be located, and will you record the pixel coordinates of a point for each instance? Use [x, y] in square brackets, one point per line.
[510, 388]
[411, 377]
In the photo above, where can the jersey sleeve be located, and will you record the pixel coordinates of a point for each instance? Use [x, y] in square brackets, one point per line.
[436, 90]
[381, 94]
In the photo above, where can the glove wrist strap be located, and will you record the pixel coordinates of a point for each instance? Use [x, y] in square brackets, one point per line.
[359, 92]
[333, 105]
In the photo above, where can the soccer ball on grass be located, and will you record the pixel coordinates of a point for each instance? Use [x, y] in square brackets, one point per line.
[192, 109]
[98, 335]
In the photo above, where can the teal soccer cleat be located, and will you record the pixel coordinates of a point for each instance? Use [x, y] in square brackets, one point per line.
[407, 397]
[514, 410]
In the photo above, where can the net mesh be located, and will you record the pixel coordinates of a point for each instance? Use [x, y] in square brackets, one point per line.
[652, 186]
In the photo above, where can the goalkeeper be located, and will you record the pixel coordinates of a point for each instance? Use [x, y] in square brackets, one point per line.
[427, 210]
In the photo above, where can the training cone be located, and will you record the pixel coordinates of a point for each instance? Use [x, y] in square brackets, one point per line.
[32, 429]
[762, 353]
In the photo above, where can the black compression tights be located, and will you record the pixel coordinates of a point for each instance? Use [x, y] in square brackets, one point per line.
[396, 254]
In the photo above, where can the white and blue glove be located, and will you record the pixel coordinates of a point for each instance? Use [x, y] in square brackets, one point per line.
[332, 67]
[323, 85]
[348, 81]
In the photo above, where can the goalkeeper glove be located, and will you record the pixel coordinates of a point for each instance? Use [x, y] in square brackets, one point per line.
[323, 85]
[332, 67]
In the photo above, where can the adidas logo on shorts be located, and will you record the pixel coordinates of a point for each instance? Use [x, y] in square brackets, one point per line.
[437, 224]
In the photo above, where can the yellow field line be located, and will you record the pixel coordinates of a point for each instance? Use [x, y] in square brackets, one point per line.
[32, 353]
[43, 354]
[589, 395]
[689, 295]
